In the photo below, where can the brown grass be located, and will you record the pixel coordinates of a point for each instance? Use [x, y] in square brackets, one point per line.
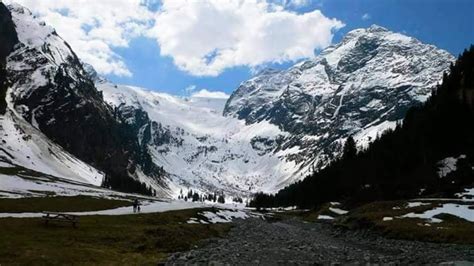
[144, 239]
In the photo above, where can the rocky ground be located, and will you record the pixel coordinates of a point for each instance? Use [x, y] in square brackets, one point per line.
[256, 241]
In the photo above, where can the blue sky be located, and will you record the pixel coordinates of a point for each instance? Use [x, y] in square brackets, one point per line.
[448, 24]
[171, 45]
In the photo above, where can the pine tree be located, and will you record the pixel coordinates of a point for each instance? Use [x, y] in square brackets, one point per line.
[195, 196]
[350, 149]
[221, 198]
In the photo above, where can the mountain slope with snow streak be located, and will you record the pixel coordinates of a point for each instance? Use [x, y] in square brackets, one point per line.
[202, 149]
[49, 95]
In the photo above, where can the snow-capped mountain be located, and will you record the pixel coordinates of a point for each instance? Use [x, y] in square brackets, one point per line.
[57, 116]
[282, 124]
[53, 112]
[359, 87]
[198, 146]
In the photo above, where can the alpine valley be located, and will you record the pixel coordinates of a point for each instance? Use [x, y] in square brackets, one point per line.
[59, 118]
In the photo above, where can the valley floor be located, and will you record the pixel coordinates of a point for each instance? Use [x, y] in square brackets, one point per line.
[293, 241]
[126, 239]
[179, 232]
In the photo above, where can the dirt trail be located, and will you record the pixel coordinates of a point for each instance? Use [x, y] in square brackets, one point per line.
[255, 241]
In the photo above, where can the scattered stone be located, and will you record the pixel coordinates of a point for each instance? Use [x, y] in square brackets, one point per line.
[291, 242]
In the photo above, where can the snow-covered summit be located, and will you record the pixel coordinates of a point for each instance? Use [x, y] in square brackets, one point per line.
[362, 84]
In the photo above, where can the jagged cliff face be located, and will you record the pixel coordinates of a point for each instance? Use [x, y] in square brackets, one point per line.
[363, 84]
[8, 40]
[49, 89]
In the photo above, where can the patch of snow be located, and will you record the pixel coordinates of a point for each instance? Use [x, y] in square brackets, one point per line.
[467, 194]
[338, 211]
[26, 146]
[461, 211]
[416, 204]
[224, 216]
[386, 219]
[371, 132]
[146, 207]
[325, 217]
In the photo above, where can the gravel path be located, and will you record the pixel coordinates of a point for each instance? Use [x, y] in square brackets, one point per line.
[293, 242]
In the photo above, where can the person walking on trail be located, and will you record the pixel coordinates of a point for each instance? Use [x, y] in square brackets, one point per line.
[135, 206]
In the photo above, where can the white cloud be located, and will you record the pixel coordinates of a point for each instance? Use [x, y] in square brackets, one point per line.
[202, 37]
[297, 3]
[190, 89]
[210, 94]
[366, 16]
[206, 37]
[94, 28]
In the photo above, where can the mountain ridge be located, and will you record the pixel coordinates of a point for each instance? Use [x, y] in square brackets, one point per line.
[277, 127]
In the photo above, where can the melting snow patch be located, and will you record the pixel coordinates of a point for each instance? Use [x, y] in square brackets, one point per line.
[147, 207]
[221, 216]
[193, 221]
[461, 211]
[338, 211]
[385, 219]
[325, 217]
[224, 216]
[416, 204]
[467, 194]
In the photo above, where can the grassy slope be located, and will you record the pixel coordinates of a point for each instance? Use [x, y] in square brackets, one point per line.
[370, 216]
[132, 239]
[451, 230]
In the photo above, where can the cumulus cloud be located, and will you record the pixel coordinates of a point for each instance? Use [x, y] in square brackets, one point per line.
[202, 37]
[210, 94]
[297, 3]
[366, 16]
[206, 37]
[95, 28]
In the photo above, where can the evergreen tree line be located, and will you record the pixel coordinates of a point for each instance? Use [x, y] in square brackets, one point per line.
[195, 196]
[404, 162]
[127, 184]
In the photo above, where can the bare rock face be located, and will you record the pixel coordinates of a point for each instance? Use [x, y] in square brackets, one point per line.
[366, 82]
[8, 39]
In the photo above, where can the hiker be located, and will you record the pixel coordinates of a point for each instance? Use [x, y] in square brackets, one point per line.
[135, 206]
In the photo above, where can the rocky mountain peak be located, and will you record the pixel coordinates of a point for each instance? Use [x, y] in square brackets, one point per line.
[366, 81]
